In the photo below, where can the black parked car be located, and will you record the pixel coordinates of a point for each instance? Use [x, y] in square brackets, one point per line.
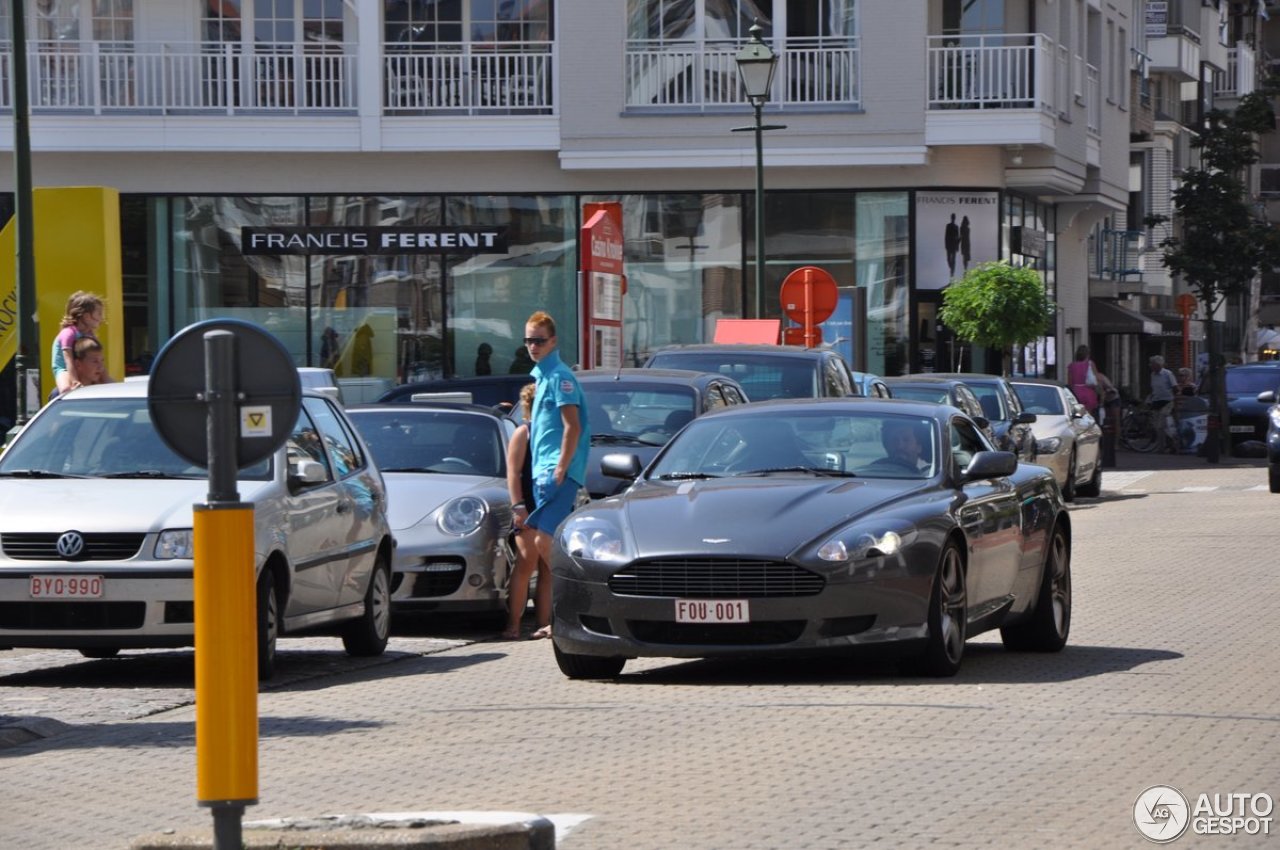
[952, 391]
[1002, 408]
[487, 390]
[766, 371]
[1247, 417]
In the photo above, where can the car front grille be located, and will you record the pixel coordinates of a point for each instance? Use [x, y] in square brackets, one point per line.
[105, 546]
[46, 616]
[717, 634]
[709, 578]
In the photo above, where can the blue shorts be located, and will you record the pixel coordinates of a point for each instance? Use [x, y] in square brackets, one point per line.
[554, 502]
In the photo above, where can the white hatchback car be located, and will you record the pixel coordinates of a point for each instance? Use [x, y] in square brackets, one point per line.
[96, 531]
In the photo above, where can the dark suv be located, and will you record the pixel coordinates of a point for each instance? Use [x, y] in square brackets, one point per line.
[765, 371]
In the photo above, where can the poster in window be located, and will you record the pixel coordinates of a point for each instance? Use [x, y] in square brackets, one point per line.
[955, 231]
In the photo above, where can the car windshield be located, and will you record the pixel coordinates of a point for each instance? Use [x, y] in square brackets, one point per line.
[1037, 398]
[444, 441]
[761, 376]
[989, 397]
[865, 444]
[937, 395]
[1252, 381]
[101, 438]
[645, 414]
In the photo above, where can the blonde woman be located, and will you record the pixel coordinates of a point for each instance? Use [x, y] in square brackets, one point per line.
[520, 488]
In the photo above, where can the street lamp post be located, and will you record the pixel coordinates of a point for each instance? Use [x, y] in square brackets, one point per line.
[756, 64]
[26, 360]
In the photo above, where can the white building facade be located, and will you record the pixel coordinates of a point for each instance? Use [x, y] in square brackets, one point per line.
[920, 139]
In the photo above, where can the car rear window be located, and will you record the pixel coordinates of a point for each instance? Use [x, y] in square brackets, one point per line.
[1252, 381]
[761, 376]
[937, 395]
[1038, 399]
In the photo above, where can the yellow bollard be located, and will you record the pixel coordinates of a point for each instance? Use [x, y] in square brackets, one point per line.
[226, 656]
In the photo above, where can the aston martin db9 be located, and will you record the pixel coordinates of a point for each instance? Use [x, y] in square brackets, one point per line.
[801, 526]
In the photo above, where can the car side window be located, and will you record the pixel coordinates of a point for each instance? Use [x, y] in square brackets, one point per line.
[346, 457]
[965, 443]
[305, 443]
[1011, 400]
[715, 398]
[838, 380]
[732, 396]
[969, 402]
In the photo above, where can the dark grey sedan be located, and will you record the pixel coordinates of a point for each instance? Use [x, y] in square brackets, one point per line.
[795, 527]
[639, 410]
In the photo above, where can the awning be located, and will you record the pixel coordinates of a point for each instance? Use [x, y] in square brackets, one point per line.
[1108, 317]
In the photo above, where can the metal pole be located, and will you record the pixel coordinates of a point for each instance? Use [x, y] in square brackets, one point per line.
[759, 105]
[28, 324]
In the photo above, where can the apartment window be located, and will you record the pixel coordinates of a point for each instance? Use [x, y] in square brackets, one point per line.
[275, 23]
[477, 21]
[972, 17]
[65, 20]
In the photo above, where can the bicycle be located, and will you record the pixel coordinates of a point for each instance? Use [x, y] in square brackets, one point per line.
[1139, 427]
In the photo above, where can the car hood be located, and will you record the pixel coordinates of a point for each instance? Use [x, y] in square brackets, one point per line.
[414, 496]
[761, 517]
[105, 504]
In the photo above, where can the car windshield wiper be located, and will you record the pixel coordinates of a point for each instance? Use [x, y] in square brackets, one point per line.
[39, 473]
[689, 476]
[142, 473]
[618, 438]
[812, 470]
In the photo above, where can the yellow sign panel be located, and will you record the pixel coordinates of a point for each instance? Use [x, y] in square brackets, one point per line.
[76, 236]
[255, 421]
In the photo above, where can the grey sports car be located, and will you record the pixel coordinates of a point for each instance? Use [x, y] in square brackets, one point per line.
[802, 526]
[447, 502]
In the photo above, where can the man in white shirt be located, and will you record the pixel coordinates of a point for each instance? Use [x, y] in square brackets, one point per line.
[1163, 388]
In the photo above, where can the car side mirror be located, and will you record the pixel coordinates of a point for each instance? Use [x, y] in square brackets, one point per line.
[1267, 397]
[982, 422]
[1078, 411]
[1024, 418]
[991, 465]
[624, 466]
[305, 471]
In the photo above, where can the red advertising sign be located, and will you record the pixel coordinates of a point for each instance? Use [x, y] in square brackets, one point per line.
[601, 285]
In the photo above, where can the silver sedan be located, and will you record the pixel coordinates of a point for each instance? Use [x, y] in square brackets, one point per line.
[1068, 439]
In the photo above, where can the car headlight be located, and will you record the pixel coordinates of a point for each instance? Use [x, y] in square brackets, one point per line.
[593, 539]
[176, 543]
[1048, 446]
[867, 542]
[463, 515]
[1274, 413]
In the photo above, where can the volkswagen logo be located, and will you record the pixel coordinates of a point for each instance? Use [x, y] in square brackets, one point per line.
[71, 544]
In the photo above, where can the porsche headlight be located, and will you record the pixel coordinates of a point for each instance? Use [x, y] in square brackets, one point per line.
[175, 543]
[865, 542]
[593, 539]
[463, 515]
[1048, 446]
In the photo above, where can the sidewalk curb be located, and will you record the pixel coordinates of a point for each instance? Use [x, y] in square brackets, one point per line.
[360, 832]
[16, 731]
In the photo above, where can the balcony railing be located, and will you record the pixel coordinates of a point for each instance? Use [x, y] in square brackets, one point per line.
[99, 77]
[1117, 254]
[704, 75]
[1004, 71]
[1239, 78]
[468, 78]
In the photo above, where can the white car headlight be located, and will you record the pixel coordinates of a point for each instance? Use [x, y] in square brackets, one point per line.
[463, 515]
[1274, 413]
[176, 543]
[1048, 446]
[865, 542]
[594, 539]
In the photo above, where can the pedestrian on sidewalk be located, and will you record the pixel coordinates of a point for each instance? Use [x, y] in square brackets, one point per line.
[1163, 389]
[1087, 382]
[559, 437]
[85, 312]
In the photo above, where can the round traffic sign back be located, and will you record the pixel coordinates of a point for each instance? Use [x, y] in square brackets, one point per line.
[1186, 304]
[822, 294]
[268, 393]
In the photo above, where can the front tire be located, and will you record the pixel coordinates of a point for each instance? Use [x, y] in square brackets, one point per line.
[1050, 622]
[1273, 477]
[948, 617]
[100, 651]
[367, 635]
[1069, 488]
[588, 666]
[268, 624]
[1094, 488]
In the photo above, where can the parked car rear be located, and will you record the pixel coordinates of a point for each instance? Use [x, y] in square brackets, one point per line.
[765, 371]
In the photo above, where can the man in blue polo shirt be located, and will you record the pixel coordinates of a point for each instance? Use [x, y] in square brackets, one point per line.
[559, 437]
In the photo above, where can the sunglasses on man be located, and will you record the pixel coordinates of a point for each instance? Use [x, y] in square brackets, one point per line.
[536, 340]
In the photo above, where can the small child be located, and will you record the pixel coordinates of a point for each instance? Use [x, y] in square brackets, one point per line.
[91, 363]
[84, 315]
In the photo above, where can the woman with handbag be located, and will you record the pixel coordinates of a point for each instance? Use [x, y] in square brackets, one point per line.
[1086, 381]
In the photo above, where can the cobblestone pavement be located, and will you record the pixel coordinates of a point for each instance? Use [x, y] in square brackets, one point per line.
[1169, 679]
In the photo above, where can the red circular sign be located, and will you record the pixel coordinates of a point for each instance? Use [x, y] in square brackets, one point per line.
[1186, 304]
[822, 294]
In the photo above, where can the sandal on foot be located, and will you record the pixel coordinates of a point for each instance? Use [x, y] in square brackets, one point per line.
[544, 632]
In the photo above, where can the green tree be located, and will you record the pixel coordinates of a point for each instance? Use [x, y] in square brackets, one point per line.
[998, 306]
[1219, 245]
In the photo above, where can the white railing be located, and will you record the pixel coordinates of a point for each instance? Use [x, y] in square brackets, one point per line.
[1238, 79]
[453, 77]
[99, 77]
[704, 74]
[1005, 71]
